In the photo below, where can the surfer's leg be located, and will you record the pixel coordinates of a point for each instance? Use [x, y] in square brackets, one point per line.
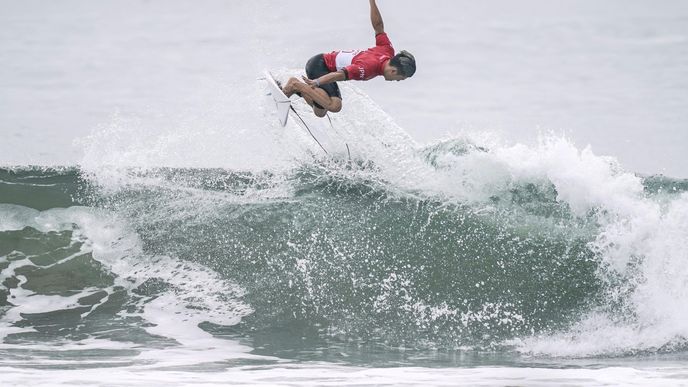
[318, 110]
[289, 88]
[313, 96]
[336, 106]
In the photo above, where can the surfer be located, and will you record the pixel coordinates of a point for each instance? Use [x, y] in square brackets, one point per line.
[323, 71]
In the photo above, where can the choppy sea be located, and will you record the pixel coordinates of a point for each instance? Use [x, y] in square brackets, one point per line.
[457, 264]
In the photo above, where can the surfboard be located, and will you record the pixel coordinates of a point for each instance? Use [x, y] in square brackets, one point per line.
[320, 131]
[282, 102]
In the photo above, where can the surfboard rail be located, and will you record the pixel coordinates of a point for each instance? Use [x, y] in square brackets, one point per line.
[282, 102]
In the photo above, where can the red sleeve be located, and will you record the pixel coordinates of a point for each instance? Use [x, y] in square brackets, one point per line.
[355, 72]
[382, 40]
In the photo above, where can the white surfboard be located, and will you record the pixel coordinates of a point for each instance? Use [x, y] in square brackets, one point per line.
[321, 131]
[282, 102]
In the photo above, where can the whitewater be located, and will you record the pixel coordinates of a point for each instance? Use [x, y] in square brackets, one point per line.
[187, 238]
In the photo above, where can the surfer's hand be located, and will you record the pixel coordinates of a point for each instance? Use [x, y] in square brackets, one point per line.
[310, 82]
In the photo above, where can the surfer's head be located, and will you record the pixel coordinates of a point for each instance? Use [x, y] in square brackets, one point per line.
[400, 67]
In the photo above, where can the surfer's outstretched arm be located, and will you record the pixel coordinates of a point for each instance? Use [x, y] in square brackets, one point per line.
[376, 18]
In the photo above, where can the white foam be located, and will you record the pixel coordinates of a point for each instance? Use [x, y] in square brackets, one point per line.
[196, 295]
[640, 240]
[335, 375]
[14, 217]
[582, 179]
[236, 132]
[651, 254]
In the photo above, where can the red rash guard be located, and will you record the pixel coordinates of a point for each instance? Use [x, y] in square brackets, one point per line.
[362, 65]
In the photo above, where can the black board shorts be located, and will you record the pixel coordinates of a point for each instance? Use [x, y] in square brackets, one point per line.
[316, 68]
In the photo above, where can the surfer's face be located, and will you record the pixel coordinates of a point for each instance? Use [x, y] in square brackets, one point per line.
[391, 74]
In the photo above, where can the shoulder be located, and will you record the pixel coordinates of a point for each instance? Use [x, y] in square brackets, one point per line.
[383, 45]
[382, 39]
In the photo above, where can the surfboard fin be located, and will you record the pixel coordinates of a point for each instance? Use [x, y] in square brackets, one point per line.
[283, 112]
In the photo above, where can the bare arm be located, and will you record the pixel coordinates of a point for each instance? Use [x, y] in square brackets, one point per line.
[376, 18]
[327, 78]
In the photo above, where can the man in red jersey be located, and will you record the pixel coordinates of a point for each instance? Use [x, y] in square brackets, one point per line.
[323, 71]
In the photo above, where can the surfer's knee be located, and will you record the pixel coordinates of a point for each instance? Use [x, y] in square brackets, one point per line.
[291, 85]
[335, 105]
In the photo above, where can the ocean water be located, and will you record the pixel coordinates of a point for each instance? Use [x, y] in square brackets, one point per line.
[158, 226]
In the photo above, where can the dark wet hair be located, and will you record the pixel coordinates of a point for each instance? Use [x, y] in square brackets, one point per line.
[405, 63]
